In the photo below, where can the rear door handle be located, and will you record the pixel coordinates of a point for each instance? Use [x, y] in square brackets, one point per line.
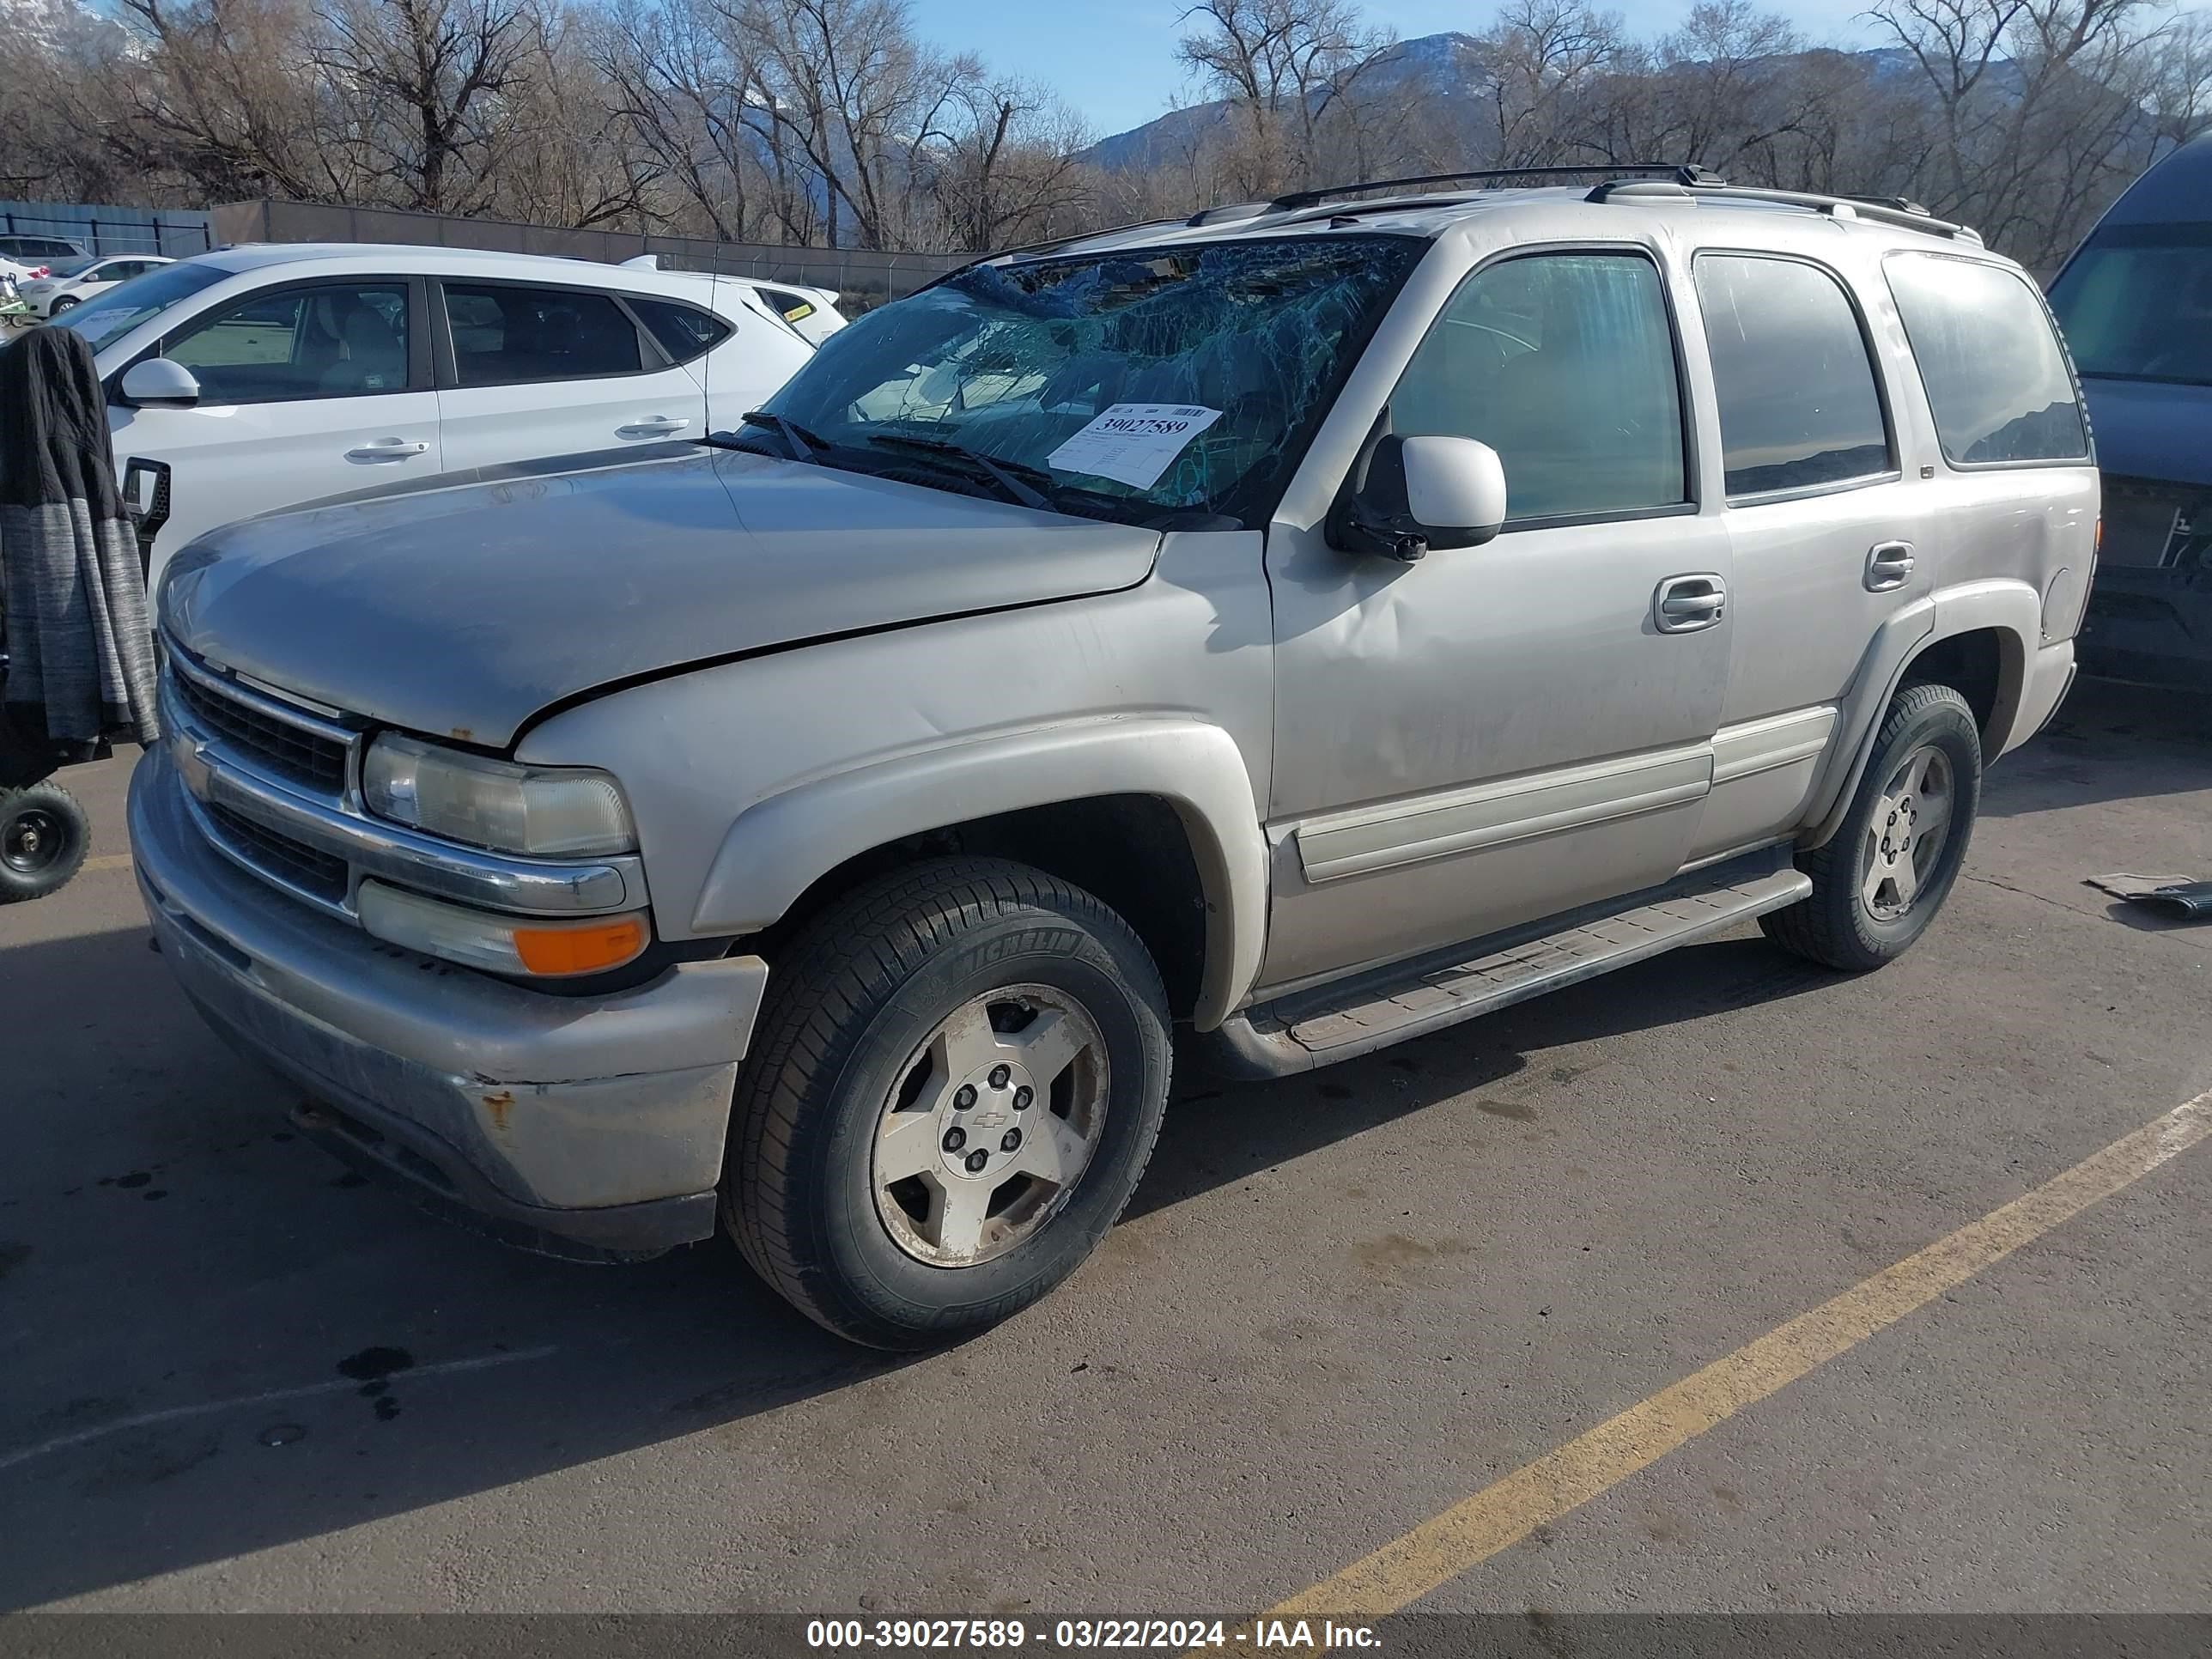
[1889, 564]
[1684, 605]
[387, 449]
[654, 426]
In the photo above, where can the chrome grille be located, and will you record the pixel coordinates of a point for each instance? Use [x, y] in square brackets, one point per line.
[295, 864]
[285, 749]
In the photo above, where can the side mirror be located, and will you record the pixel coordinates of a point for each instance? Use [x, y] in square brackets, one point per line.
[1410, 494]
[159, 383]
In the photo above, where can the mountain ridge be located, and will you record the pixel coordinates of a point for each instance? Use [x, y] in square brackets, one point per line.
[1450, 67]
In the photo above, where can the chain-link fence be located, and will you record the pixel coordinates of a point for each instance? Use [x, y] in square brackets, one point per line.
[862, 277]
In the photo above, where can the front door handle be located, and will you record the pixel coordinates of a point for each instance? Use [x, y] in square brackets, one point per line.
[1684, 605]
[654, 426]
[1889, 564]
[387, 449]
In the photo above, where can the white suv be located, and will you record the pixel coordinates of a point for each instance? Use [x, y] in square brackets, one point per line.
[257, 378]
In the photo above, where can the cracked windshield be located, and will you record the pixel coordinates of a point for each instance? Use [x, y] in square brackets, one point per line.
[1184, 380]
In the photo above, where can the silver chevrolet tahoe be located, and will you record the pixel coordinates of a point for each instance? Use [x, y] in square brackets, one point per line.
[1309, 625]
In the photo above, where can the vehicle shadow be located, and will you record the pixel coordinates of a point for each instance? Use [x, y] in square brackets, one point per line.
[2109, 742]
[1217, 1134]
[220, 1342]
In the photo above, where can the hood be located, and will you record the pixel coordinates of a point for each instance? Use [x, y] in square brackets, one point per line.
[2152, 430]
[462, 612]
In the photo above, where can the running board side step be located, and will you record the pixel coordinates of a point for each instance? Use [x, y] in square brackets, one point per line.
[1312, 1029]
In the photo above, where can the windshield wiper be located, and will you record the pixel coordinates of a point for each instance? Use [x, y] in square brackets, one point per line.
[798, 442]
[969, 460]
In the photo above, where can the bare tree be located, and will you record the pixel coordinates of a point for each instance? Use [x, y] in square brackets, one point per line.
[423, 84]
[1546, 58]
[2033, 118]
[1291, 72]
[1008, 171]
[831, 121]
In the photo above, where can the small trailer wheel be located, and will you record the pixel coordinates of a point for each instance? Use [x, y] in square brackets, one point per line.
[44, 837]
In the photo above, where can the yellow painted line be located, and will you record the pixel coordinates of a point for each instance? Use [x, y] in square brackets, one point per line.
[1501, 1516]
[109, 861]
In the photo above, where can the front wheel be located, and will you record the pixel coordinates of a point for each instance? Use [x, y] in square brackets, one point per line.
[954, 1087]
[1880, 880]
[43, 836]
[63, 303]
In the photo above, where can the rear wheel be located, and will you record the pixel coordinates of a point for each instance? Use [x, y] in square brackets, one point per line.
[44, 837]
[1881, 878]
[955, 1088]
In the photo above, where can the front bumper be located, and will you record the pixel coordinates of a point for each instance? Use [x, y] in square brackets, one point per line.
[587, 1127]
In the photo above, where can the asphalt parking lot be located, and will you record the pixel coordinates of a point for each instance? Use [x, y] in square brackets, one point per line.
[236, 1377]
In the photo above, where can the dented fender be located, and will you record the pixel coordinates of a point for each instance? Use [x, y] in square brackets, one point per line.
[2012, 607]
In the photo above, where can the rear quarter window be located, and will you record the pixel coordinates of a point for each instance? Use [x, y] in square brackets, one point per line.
[683, 331]
[1995, 375]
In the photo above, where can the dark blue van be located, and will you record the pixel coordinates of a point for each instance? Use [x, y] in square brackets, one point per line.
[2136, 302]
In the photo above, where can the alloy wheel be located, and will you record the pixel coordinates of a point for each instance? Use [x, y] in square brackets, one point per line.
[1905, 836]
[993, 1120]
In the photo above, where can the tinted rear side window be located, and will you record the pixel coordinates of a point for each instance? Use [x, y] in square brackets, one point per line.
[1995, 377]
[1798, 405]
[793, 307]
[508, 336]
[684, 331]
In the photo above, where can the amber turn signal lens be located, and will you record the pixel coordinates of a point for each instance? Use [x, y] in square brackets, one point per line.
[555, 951]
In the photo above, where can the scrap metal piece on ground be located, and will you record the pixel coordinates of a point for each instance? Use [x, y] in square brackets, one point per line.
[2171, 896]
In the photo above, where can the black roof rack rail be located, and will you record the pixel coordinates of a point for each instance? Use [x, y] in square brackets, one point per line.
[1680, 172]
[1882, 210]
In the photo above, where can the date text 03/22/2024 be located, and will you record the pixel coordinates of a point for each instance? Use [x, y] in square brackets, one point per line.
[1260, 1636]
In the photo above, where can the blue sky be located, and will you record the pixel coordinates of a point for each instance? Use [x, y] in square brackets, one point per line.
[1115, 59]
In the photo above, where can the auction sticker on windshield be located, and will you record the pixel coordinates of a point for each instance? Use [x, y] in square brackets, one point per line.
[1133, 443]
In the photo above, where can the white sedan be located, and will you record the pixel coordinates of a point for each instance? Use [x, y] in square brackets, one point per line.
[70, 282]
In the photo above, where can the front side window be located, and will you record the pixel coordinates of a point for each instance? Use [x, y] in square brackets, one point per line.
[1996, 379]
[1563, 363]
[1798, 405]
[341, 340]
[513, 335]
[1118, 385]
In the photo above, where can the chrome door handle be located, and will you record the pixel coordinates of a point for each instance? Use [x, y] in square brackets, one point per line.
[1889, 564]
[1684, 605]
[654, 426]
[386, 449]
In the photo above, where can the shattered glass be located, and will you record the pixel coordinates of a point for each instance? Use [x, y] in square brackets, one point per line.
[1010, 361]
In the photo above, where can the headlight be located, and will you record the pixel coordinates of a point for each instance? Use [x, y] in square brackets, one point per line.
[538, 810]
[498, 944]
